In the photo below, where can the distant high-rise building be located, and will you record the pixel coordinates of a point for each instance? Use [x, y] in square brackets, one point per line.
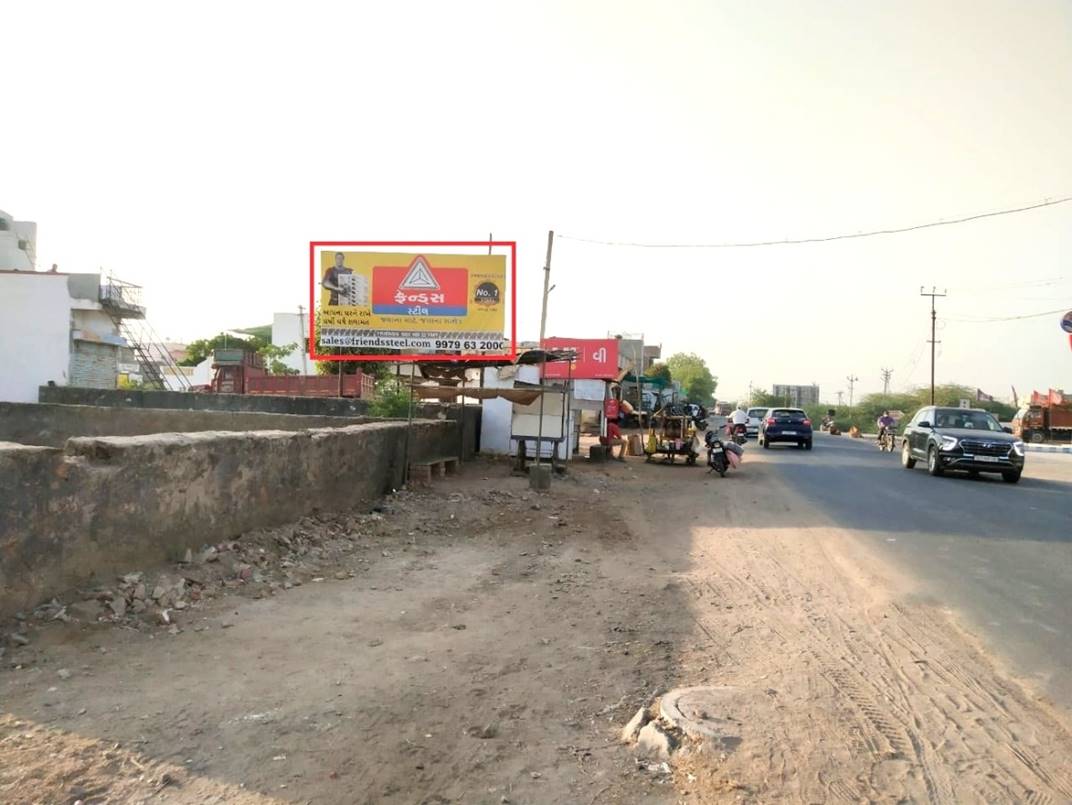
[797, 396]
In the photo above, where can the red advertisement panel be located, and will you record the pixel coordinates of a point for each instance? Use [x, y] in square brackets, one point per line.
[438, 292]
[597, 358]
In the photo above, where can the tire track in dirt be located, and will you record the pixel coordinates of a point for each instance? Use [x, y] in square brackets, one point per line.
[910, 707]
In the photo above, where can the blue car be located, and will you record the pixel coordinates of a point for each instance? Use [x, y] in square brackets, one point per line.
[785, 425]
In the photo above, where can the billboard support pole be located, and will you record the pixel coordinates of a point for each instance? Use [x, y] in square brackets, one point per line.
[409, 427]
[639, 395]
[539, 428]
[461, 422]
[567, 414]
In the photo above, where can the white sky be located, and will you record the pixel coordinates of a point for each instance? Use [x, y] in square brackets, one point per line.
[197, 148]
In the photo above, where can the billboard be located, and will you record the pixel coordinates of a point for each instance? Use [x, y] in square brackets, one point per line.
[596, 358]
[409, 301]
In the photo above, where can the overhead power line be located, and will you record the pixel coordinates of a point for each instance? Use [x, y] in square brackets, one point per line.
[975, 289]
[825, 239]
[976, 320]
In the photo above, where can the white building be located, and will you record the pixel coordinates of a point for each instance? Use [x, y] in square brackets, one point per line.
[18, 244]
[293, 328]
[66, 329]
[58, 328]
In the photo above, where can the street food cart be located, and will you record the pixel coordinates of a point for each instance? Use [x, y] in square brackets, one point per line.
[671, 435]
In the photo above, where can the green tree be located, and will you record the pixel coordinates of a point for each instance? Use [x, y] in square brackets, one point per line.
[203, 348]
[392, 399]
[867, 411]
[692, 372]
[273, 359]
[126, 383]
[761, 398]
[661, 371]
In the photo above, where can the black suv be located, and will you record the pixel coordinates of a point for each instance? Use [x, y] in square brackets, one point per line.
[961, 439]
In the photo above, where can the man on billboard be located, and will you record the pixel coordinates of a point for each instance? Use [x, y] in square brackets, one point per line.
[333, 278]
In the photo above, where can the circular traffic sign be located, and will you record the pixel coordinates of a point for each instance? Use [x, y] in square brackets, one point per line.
[1066, 322]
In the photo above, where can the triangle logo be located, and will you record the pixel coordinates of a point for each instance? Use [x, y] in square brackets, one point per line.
[420, 277]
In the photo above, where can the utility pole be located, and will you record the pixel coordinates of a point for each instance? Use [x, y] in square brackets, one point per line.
[886, 373]
[852, 383]
[934, 318]
[303, 339]
[546, 285]
[636, 376]
[840, 394]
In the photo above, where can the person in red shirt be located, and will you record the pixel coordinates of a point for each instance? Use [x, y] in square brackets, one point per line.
[614, 439]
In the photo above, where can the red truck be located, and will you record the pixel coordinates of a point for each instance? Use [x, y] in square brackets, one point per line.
[239, 371]
[1046, 416]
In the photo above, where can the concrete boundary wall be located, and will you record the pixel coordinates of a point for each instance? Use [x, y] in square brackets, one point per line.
[103, 506]
[192, 401]
[51, 425]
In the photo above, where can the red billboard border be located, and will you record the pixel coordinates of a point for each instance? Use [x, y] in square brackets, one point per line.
[313, 284]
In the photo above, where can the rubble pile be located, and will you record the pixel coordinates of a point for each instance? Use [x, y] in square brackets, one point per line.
[270, 561]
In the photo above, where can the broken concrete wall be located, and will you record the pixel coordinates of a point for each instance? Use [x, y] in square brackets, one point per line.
[109, 505]
[51, 425]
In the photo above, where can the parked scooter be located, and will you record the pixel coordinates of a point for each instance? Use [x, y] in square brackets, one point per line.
[721, 455]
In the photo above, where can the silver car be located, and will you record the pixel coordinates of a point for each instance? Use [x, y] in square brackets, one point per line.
[755, 417]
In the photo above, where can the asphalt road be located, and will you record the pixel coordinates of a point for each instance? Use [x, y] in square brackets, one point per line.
[999, 554]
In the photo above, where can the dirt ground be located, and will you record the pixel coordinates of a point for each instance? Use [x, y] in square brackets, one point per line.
[476, 642]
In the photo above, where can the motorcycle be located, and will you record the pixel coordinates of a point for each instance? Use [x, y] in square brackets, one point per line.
[721, 456]
[740, 433]
[716, 454]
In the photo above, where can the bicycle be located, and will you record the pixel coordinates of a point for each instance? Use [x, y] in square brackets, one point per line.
[887, 442]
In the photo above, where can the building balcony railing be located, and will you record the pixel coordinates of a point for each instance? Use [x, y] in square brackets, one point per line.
[122, 298]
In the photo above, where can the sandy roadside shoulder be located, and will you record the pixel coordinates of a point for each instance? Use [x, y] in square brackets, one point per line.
[845, 685]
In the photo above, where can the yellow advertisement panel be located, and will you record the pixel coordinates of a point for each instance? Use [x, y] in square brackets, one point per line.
[412, 301]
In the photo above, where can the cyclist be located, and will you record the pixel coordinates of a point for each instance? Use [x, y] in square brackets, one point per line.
[885, 423]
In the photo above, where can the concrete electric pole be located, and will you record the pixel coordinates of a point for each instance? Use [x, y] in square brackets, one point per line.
[840, 394]
[934, 318]
[852, 384]
[886, 373]
[546, 286]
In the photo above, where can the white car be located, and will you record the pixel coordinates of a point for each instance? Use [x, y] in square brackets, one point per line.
[755, 417]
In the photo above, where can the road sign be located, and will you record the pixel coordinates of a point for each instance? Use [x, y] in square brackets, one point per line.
[1066, 322]
[965, 403]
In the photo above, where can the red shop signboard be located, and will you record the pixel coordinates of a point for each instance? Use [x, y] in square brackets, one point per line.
[596, 358]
